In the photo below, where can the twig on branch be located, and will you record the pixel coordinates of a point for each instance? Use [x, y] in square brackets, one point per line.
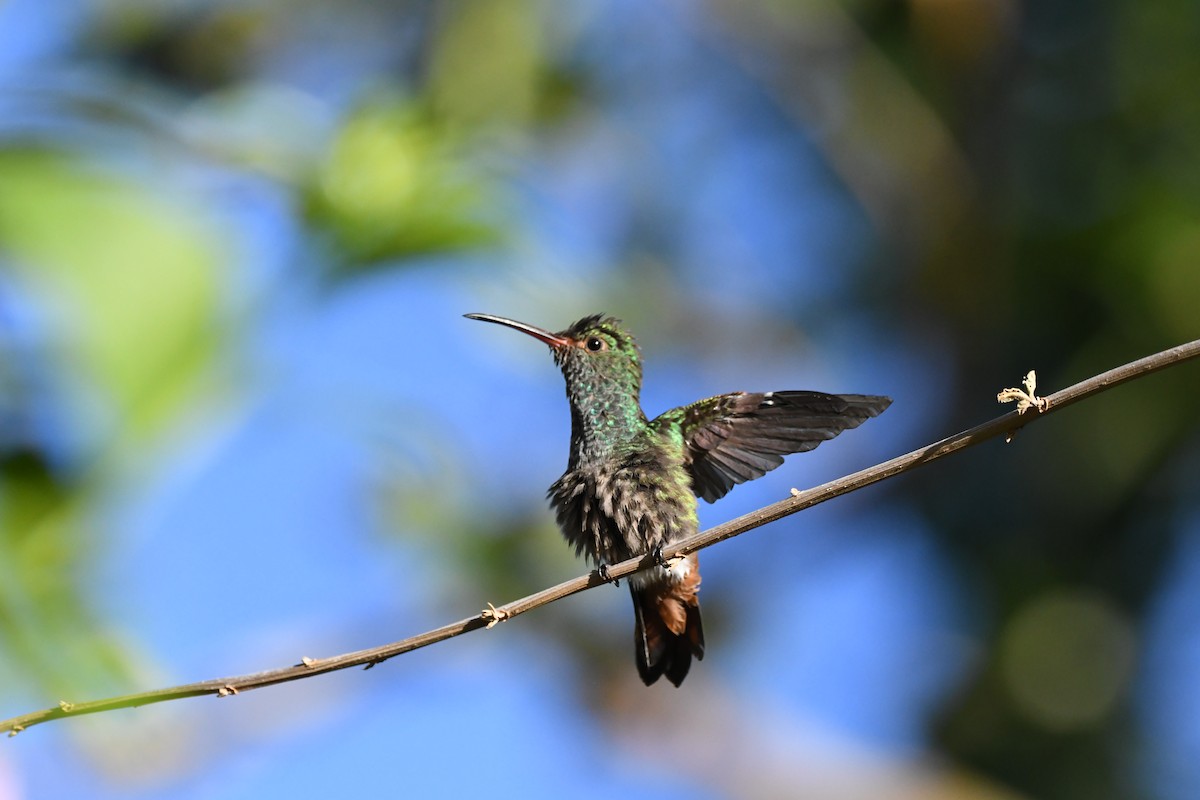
[800, 500]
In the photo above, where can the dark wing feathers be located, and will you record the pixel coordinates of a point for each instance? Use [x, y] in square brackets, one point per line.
[733, 438]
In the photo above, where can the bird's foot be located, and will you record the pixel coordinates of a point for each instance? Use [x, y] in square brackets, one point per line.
[602, 571]
[661, 561]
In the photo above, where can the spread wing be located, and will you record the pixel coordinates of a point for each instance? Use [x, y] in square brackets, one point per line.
[733, 438]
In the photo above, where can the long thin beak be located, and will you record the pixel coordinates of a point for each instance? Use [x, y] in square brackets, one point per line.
[552, 339]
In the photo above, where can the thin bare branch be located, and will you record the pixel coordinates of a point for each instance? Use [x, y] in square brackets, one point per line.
[308, 667]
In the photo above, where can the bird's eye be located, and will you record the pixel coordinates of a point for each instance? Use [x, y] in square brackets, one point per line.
[595, 344]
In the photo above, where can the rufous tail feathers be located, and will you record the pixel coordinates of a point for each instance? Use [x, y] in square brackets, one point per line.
[667, 631]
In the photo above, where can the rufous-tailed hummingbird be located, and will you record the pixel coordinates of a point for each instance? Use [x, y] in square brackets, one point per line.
[631, 483]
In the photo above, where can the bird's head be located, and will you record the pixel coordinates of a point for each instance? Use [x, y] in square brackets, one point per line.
[598, 357]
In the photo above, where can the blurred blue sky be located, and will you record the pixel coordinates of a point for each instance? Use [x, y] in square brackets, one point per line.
[252, 534]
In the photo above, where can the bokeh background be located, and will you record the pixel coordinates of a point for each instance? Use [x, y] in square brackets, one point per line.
[243, 421]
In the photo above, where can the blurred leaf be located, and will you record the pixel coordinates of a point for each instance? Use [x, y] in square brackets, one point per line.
[486, 61]
[128, 284]
[133, 279]
[46, 623]
[393, 186]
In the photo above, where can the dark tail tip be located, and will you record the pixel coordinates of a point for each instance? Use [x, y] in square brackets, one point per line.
[660, 652]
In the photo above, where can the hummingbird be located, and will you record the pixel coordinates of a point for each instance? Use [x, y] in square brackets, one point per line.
[631, 483]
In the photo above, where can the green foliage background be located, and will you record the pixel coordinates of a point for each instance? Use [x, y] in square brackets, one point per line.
[1025, 186]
